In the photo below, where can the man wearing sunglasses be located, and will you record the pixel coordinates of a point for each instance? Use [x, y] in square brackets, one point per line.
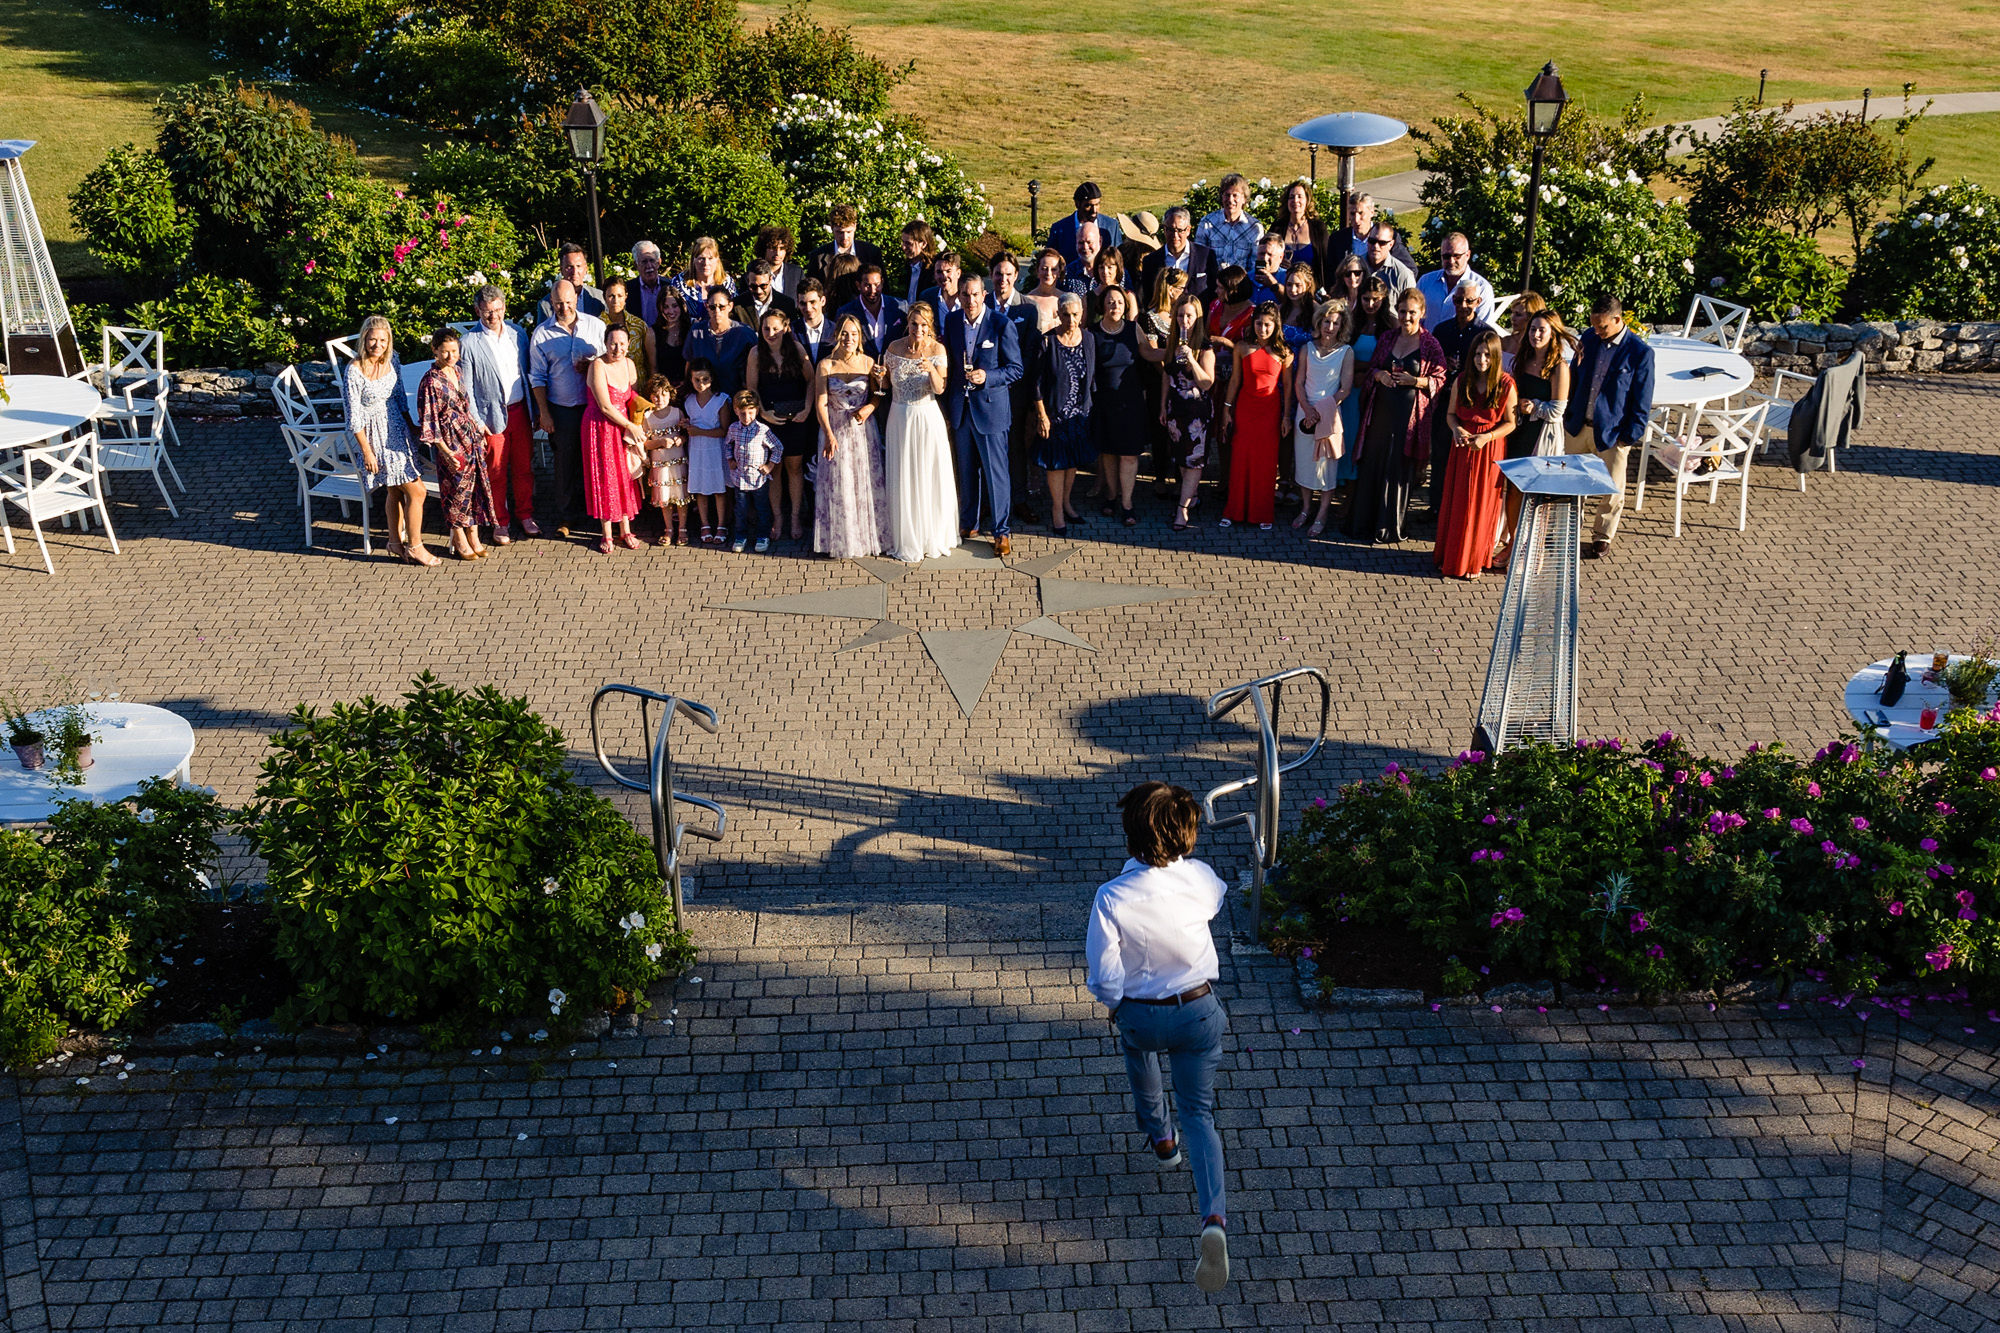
[1382, 262]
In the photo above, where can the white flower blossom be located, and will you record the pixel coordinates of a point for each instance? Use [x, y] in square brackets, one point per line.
[653, 951]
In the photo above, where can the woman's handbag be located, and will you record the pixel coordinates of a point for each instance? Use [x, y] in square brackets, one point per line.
[635, 454]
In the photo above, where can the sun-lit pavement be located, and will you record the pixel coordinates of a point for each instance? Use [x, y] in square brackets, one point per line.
[889, 1102]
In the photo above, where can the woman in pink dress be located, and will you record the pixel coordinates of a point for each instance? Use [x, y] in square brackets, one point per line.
[610, 494]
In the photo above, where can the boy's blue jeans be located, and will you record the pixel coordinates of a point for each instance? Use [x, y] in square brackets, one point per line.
[753, 512]
[1190, 1036]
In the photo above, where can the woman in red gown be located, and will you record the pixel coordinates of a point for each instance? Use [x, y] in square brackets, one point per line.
[1483, 403]
[610, 495]
[1254, 408]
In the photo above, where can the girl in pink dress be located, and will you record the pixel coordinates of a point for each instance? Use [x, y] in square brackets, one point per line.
[610, 493]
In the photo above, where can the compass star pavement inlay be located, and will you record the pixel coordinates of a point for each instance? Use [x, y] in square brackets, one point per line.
[964, 657]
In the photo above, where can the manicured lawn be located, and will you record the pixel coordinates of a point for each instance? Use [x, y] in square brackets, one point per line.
[1144, 97]
[80, 80]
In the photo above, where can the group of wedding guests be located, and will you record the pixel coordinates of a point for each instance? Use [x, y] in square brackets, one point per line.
[809, 401]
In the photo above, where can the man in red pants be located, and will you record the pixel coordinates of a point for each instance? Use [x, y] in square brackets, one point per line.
[496, 381]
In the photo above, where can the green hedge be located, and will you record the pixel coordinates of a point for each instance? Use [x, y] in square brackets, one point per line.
[1663, 870]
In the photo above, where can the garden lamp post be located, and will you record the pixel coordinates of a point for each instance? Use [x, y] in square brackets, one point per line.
[585, 126]
[1034, 210]
[1546, 100]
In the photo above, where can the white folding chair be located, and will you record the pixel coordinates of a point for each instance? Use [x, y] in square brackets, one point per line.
[1725, 454]
[141, 353]
[1723, 323]
[53, 481]
[325, 461]
[1500, 308]
[132, 437]
[1778, 416]
[296, 403]
[340, 354]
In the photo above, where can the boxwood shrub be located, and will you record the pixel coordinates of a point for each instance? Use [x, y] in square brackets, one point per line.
[1662, 870]
[433, 862]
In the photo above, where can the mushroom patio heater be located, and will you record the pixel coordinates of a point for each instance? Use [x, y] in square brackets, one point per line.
[40, 340]
[1347, 133]
[1531, 680]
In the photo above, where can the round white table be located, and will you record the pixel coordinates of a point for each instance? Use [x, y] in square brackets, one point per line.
[42, 407]
[1864, 701]
[134, 742]
[1675, 359]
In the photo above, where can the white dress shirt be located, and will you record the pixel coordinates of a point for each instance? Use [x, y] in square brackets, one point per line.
[505, 348]
[1438, 291]
[1148, 934]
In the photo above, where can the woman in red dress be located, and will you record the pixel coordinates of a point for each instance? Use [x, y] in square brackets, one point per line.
[1482, 416]
[1257, 404]
[610, 494]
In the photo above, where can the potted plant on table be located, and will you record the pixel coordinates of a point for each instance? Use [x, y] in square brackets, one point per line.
[71, 733]
[22, 733]
[1969, 678]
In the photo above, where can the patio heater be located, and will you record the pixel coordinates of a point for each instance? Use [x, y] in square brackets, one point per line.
[584, 124]
[1531, 679]
[40, 340]
[1347, 133]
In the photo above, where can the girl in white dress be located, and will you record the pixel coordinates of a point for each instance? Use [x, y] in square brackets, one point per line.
[1325, 378]
[923, 497]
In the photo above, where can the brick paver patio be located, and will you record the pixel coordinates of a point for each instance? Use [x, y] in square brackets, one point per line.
[889, 1103]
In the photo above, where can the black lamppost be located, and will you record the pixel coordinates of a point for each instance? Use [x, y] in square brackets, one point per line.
[1034, 211]
[585, 126]
[1546, 100]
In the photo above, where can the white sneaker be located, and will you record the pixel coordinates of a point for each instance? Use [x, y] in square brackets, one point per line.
[763, 545]
[1168, 1163]
[1212, 1273]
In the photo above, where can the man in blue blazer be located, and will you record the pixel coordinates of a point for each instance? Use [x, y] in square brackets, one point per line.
[1610, 400]
[984, 359]
[881, 314]
[1063, 231]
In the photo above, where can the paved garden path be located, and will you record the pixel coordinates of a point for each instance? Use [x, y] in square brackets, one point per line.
[888, 1103]
[1402, 190]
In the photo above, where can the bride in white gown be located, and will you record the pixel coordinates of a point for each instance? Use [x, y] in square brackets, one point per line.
[923, 497]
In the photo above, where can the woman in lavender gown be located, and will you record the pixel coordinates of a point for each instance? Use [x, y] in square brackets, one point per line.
[851, 512]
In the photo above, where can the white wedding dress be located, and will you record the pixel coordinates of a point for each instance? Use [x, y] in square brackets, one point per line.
[923, 498]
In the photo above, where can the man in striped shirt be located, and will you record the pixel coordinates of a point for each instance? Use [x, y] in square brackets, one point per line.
[1229, 231]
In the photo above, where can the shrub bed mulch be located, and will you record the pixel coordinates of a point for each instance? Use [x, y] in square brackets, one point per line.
[224, 970]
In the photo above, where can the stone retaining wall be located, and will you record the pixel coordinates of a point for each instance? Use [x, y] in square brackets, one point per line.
[1922, 346]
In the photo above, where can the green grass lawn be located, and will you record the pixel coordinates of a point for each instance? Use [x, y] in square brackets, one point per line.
[80, 80]
[1144, 97]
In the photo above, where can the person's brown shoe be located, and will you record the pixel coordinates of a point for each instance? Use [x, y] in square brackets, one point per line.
[1002, 547]
[1597, 550]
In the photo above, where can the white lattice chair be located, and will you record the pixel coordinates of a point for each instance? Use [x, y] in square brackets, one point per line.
[1778, 416]
[1723, 323]
[328, 468]
[1696, 459]
[53, 481]
[340, 354]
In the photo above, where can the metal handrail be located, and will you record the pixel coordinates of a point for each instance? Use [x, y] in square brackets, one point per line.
[1263, 818]
[659, 784]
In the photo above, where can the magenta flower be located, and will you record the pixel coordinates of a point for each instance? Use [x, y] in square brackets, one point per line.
[1939, 958]
[1964, 897]
[1497, 921]
[1391, 768]
[1490, 819]
[1774, 813]
[1895, 909]
[1860, 824]
[1680, 776]
[1967, 914]
[388, 274]
[1730, 772]
[1802, 825]
[1319, 802]
[1849, 755]
[1305, 953]
[1828, 847]
[1498, 856]
[1812, 789]
[1928, 844]
[1639, 922]
[1989, 775]
[1655, 951]
[1481, 855]
[1666, 738]
[1945, 809]
[1706, 779]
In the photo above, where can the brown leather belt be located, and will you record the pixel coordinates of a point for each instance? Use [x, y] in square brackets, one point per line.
[1185, 997]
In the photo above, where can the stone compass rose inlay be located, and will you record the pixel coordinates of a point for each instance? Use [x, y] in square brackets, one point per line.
[964, 657]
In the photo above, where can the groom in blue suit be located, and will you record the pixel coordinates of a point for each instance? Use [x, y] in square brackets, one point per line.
[984, 353]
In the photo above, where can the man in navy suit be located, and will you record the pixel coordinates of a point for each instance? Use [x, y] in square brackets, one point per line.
[984, 357]
[814, 328]
[942, 294]
[1063, 231]
[1178, 250]
[1609, 402]
[881, 314]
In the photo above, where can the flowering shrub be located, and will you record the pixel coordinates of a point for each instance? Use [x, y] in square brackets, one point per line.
[1938, 258]
[832, 155]
[1660, 870]
[85, 906]
[435, 862]
[370, 249]
[1778, 275]
[211, 321]
[1601, 232]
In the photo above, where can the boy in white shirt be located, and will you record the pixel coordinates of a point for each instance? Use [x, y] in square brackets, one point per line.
[751, 453]
[1153, 965]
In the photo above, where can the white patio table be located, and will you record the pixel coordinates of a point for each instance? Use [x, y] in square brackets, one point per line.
[45, 407]
[134, 742]
[1864, 701]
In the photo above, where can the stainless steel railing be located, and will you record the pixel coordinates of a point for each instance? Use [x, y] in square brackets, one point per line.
[1264, 816]
[659, 784]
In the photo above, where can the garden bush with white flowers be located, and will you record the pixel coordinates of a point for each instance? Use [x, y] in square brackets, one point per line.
[1660, 870]
[877, 163]
[1601, 232]
[434, 862]
[86, 905]
[1939, 258]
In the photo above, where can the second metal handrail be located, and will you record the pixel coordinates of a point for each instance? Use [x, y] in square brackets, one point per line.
[1263, 817]
[659, 784]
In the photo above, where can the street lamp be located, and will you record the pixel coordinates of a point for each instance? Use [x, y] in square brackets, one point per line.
[1546, 100]
[585, 127]
[1034, 211]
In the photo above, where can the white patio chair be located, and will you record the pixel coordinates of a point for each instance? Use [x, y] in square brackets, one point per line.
[53, 481]
[340, 354]
[1723, 323]
[1778, 417]
[132, 436]
[1725, 454]
[140, 353]
[1500, 308]
[328, 468]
